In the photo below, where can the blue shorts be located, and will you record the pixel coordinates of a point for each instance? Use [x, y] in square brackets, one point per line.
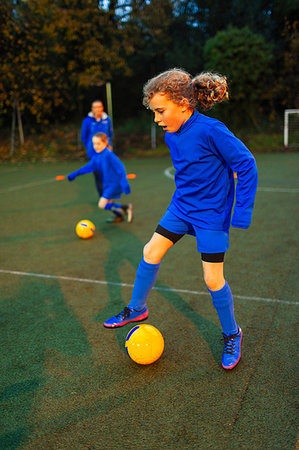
[112, 192]
[208, 241]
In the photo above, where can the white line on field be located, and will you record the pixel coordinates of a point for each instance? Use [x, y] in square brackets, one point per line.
[273, 189]
[157, 288]
[11, 169]
[24, 186]
[168, 173]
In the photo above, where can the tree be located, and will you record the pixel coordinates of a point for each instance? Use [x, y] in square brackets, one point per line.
[146, 33]
[9, 40]
[54, 51]
[285, 90]
[245, 58]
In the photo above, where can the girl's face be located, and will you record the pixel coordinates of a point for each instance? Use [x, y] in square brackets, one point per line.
[169, 115]
[98, 144]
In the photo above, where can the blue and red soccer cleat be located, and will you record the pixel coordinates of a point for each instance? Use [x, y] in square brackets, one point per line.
[232, 349]
[126, 316]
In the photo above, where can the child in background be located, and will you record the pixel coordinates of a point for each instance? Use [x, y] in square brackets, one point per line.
[97, 121]
[113, 176]
[205, 155]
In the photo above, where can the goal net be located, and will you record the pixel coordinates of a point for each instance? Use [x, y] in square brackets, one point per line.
[291, 128]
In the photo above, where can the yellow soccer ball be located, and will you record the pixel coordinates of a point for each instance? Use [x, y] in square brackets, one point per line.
[144, 344]
[85, 229]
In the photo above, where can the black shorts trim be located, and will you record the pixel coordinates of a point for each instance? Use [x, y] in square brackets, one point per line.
[213, 257]
[173, 237]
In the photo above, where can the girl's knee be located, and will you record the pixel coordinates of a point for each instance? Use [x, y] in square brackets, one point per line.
[213, 275]
[214, 283]
[102, 203]
[147, 251]
[156, 248]
[150, 254]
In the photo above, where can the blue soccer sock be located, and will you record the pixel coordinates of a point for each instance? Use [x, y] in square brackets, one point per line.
[146, 276]
[113, 207]
[224, 304]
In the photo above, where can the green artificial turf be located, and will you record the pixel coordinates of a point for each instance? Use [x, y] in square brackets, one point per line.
[66, 381]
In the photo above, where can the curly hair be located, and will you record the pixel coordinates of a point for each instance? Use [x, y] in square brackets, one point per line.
[202, 92]
[103, 137]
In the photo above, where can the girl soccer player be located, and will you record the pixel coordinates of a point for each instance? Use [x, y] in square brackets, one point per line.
[113, 176]
[205, 155]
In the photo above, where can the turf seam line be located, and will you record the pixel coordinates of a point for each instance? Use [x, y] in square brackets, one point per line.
[273, 189]
[22, 186]
[168, 174]
[14, 169]
[157, 288]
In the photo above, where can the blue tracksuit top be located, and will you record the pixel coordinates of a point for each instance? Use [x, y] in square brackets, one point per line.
[112, 172]
[205, 154]
[91, 126]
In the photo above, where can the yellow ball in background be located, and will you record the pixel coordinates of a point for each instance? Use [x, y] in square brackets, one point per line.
[85, 229]
[144, 344]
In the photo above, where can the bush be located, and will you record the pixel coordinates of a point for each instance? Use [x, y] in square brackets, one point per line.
[55, 144]
[132, 140]
[261, 142]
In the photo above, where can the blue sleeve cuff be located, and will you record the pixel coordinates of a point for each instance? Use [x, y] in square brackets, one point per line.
[71, 177]
[242, 218]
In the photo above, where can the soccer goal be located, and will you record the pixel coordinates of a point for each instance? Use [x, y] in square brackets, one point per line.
[291, 128]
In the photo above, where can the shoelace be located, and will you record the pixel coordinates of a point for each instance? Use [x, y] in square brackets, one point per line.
[229, 343]
[125, 313]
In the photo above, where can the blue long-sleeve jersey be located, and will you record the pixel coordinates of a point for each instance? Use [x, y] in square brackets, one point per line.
[205, 154]
[91, 126]
[112, 172]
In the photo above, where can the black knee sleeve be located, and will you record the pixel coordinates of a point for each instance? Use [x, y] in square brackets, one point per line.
[213, 257]
[174, 237]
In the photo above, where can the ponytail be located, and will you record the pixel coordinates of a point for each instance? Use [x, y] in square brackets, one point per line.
[209, 89]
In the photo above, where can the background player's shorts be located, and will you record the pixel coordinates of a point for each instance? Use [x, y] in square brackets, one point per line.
[208, 241]
[112, 191]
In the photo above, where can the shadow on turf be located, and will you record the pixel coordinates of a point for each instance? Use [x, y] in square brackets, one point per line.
[34, 322]
[125, 246]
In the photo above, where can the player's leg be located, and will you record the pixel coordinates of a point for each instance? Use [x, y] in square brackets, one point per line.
[221, 295]
[98, 182]
[224, 304]
[103, 202]
[146, 276]
[115, 208]
[147, 270]
[128, 211]
[156, 248]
